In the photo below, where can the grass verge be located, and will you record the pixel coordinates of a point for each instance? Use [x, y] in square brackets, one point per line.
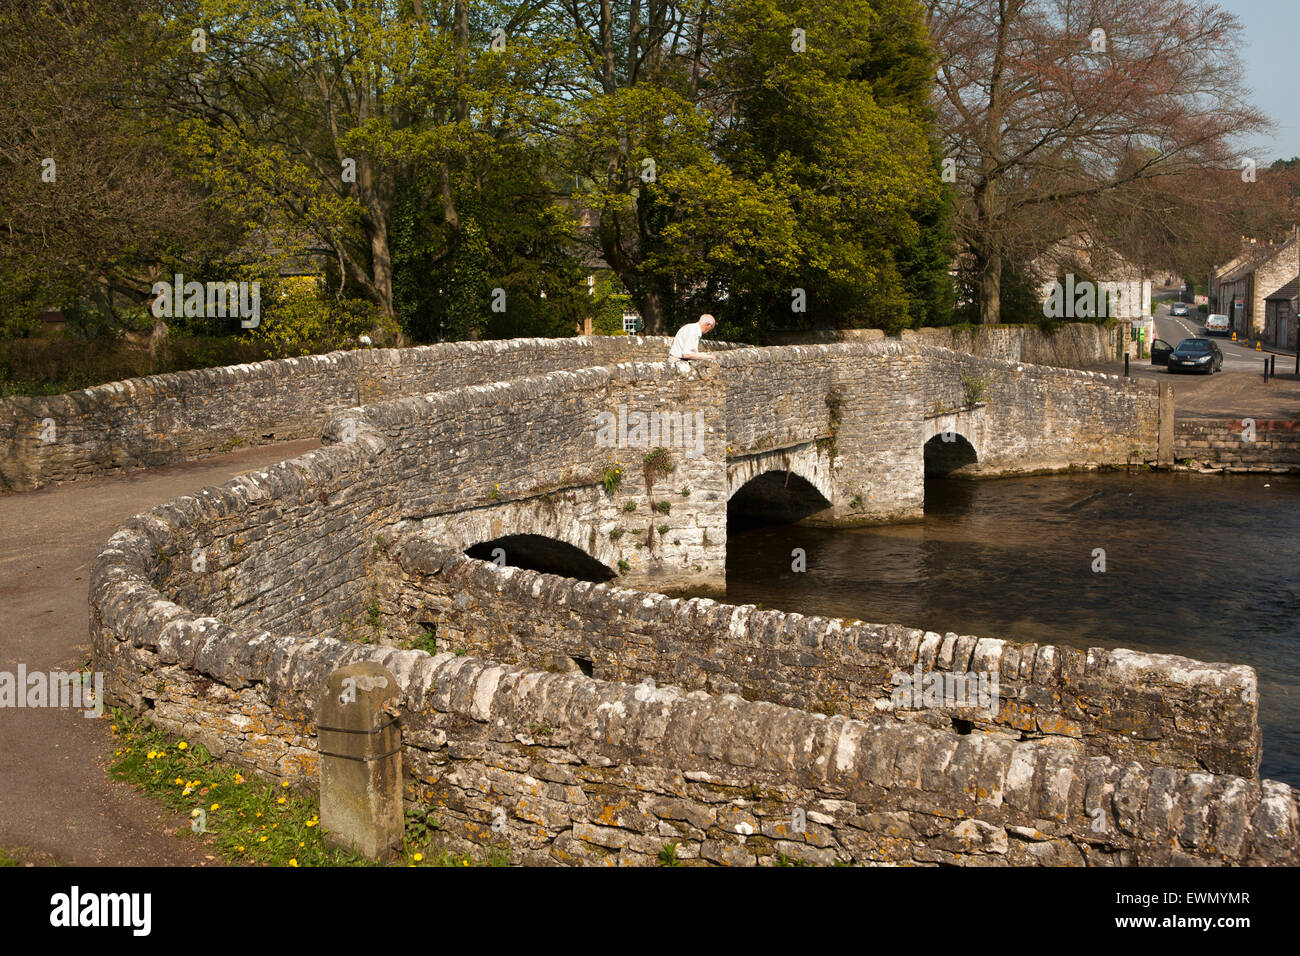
[248, 821]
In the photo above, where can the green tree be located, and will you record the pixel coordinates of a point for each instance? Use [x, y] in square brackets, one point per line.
[739, 151]
[312, 118]
[95, 202]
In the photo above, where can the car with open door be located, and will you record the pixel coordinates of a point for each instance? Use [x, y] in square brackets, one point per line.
[1195, 355]
[1160, 350]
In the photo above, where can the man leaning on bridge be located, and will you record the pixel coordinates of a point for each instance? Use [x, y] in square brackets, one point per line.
[686, 343]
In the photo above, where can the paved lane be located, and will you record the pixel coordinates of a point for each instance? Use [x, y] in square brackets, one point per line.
[57, 801]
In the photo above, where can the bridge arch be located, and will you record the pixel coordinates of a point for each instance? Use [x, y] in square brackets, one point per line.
[536, 552]
[784, 485]
[565, 524]
[949, 453]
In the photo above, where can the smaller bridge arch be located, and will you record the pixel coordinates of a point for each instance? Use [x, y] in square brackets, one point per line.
[530, 523]
[781, 485]
[948, 453]
[536, 552]
[954, 441]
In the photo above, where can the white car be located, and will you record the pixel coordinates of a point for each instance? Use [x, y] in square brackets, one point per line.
[1216, 325]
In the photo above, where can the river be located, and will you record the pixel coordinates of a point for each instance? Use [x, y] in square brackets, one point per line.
[1203, 566]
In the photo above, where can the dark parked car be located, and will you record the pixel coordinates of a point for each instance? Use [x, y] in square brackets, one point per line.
[1199, 355]
[1179, 308]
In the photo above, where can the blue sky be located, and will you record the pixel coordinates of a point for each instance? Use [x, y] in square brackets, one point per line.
[1270, 54]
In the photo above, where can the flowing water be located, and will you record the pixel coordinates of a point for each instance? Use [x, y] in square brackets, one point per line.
[1203, 566]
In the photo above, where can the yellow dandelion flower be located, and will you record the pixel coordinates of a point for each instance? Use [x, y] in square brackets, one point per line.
[281, 800]
[239, 849]
[418, 857]
[284, 783]
[215, 806]
[261, 839]
[179, 782]
[182, 745]
[239, 778]
[293, 862]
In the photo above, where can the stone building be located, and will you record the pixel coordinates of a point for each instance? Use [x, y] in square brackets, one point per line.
[1122, 289]
[1240, 288]
[1280, 316]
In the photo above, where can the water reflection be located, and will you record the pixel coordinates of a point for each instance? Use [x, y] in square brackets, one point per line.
[1204, 566]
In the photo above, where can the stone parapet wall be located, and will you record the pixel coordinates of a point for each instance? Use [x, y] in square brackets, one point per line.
[182, 416]
[561, 768]
[1081, 345]
[1078, 345]
[300, 560]
[1211, 444]
[1159, 709]
[1038, 419]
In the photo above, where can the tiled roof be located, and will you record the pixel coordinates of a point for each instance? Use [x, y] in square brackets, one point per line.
[1263, 255]
[1288, 291]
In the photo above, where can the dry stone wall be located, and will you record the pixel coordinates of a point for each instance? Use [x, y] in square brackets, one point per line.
[159, 419]
[1082, 345]
[1238, 445]
[1155, 708]
[562, 768]
[1078, 345]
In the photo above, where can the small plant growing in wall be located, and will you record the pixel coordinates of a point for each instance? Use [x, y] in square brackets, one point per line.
[495, 493]
[686, 491]
[668, 855]
[616, 533]
[629, 506]
[623, 566]
[663, 529]
[427, 641]
[657, 465]
[663, 507]
[421, 825]
[834, 407]
[975, 387]
[612, 477]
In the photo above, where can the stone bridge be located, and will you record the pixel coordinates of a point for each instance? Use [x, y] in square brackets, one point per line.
[356, 551]
[550, 440]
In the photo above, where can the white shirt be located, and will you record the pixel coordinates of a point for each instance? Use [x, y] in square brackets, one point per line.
[686, 340]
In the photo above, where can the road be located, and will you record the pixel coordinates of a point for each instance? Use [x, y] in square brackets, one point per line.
[1236, 358]
[1239, 391]
[57, 802]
